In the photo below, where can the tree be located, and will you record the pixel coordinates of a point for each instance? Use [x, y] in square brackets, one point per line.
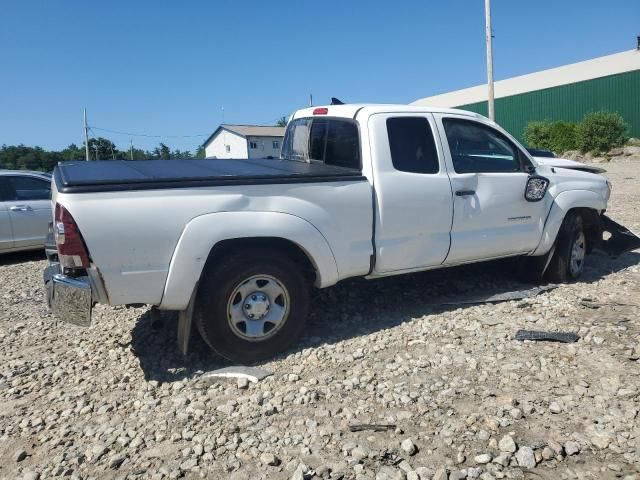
[73, 152]
[36, 158]
[282, 122]
[161, 152]
[103, 149]
[178, 154]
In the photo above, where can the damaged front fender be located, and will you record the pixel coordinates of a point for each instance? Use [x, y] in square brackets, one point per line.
[620, 239]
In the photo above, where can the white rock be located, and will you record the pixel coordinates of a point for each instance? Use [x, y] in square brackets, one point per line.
[507, 444]
[408, 446]
[482, 458]
[525, 457]
[269, 459]
[554, 407]
[571, 448]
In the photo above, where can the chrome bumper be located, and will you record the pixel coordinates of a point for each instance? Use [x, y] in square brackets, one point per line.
[69, 298]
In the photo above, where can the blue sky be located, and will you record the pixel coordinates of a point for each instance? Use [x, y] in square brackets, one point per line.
[168, 67]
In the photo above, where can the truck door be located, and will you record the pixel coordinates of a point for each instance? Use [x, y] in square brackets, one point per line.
[488, 174]
[413, 199]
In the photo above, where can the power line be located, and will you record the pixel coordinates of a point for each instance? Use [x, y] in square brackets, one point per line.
[148, 135]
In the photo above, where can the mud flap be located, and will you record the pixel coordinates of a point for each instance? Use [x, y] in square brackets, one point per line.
[185, 318]
[621, 240]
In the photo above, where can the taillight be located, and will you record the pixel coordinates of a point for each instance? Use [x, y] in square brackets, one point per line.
[321, 111]
[71, 249]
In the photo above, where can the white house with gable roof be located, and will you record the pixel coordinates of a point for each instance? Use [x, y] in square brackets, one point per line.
[244, 141]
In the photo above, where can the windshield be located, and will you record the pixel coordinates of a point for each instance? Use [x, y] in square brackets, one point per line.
[331, 141]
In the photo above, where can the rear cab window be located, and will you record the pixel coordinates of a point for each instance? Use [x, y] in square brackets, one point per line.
[332, 141]
[412, 145]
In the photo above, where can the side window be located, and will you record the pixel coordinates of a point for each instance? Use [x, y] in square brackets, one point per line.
[477, 148]
[413, 148]
[29, 188]
[294, 145]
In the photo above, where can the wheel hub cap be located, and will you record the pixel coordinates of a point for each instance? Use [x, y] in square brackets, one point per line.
[256, 306]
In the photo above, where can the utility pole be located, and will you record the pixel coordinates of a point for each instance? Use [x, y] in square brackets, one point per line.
[131, 147]
[86, 137]
[487, 11]
[95, 147]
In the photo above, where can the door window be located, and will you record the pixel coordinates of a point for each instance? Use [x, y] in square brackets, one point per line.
[29, 188]
[478, 148]
[413, 148]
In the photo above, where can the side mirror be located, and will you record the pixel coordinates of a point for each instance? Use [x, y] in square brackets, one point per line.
[536, 188]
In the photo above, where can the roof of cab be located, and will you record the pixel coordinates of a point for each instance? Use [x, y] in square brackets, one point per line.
[351, 110]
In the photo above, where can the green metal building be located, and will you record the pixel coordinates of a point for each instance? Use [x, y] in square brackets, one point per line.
[610, 83]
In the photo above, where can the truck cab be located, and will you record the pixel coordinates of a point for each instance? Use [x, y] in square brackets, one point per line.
[449, 185]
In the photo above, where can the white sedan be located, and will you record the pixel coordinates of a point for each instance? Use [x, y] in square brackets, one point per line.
[25, 209]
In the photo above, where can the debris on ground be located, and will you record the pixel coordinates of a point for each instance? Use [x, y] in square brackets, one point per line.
[621, 238]
[539, 336]
[487, 297]
[252, 374]
[372, 427]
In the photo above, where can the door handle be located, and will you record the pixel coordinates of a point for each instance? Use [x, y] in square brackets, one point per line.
[465, 193]
[21, 208]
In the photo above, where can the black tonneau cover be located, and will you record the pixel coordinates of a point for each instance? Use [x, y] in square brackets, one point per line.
[120, 175]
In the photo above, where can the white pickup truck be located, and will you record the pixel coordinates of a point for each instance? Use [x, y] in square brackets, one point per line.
[360, 190]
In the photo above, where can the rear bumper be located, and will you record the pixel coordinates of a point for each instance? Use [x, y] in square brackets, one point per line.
[69, 298]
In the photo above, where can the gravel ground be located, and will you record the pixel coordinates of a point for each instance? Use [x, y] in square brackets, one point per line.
[468, 401]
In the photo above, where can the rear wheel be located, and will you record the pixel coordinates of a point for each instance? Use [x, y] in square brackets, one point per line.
[252, 306]
[568, 259]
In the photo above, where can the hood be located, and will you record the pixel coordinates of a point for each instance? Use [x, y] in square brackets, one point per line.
[570, 164]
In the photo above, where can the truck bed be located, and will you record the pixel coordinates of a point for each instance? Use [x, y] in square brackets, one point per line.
[122, 175]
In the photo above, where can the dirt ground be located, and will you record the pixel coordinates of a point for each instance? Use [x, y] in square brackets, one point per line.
[466, 400]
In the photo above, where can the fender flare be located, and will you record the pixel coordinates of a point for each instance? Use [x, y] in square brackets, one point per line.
[202, 233]
[564, 202]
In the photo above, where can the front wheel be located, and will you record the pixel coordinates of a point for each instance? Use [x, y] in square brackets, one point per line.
[568, 259]
[252, 306]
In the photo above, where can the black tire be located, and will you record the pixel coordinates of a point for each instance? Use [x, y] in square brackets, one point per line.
[221, 280]
[571, 232]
